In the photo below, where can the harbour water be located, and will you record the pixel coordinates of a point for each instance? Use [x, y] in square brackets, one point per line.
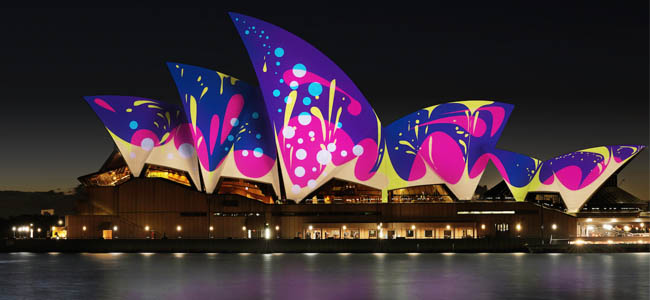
[324, 276]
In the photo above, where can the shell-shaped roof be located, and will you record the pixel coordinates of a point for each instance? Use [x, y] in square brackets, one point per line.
[575, 175]
[148, 131]
[323, 124]
[446, 143]
[228, 123]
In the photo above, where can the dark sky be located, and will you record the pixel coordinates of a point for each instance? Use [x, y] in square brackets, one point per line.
[577, 74]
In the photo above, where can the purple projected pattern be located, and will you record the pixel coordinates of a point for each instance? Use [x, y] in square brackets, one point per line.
[142, 122]
[576, 170]
[518, 170]
[139, 125]
[575, 175]
[452, 139]
[226, 116]
[314, 107]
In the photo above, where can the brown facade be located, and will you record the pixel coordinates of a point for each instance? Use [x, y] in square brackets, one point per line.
[150, 207]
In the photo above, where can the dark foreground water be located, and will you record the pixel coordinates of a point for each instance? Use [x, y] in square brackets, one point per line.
[325, 276]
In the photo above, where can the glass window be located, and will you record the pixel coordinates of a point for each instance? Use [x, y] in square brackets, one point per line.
[502, 227]
[166, 173]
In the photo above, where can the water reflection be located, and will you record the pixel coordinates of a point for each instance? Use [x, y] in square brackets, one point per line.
[325, 276]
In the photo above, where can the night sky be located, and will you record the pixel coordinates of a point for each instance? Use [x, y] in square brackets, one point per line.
[578, 75]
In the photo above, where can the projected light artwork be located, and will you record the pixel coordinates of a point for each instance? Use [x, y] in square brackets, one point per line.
[308, 123]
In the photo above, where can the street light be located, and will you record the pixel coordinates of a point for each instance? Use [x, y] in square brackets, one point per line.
[483, 226]
[448, 227]
[554, 226]
[211, 228]
[146, 228]
[179, 228]
[82, 228]
[115, 228]
[277, 227]
[518, 227]
[60, 222]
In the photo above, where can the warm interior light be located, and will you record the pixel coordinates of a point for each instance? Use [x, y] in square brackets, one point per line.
[311, 227]
[614, 220]
[554, 226]
[482, 226]
[610, 241]
[178, 228]
[243, 228]
[518, 227]
[607, 227]
[39, 229]
[82, 228]
[277, 227]
[211, 228]
[642, 225]
[345, 227]
[60, 222]
[267, 233]
[579, 242]
[412, 227]
[115, 228]
[146, 228]
[627, 228]
[448, 227]
[589, 219]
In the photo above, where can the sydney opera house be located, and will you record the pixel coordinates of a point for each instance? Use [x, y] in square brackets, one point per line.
[304, 155]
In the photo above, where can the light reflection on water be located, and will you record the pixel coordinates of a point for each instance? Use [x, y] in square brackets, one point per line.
[325, 276]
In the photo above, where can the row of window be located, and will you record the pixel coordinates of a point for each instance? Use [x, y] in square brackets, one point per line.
[294, 214]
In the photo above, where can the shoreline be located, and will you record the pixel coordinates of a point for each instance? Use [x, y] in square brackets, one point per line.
[309, 246]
